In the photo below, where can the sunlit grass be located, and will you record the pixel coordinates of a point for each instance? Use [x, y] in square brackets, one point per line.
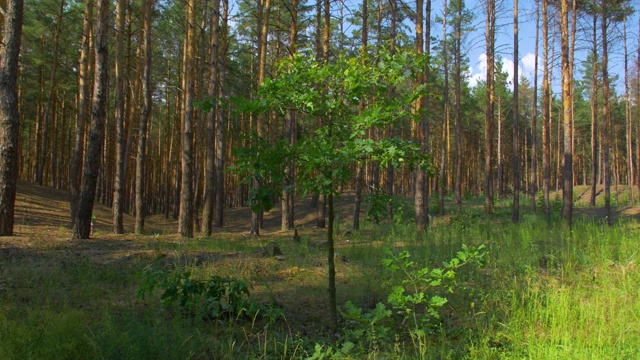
[544, 293]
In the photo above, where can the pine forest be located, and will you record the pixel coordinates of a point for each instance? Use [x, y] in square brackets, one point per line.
[319, 179]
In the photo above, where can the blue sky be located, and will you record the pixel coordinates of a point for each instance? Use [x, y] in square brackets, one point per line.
[474, 44]
[527, 18]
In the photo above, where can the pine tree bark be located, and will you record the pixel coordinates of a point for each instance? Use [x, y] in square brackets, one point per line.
[594, 114]
[627, 111]
[638, 116]
[220, 119]
[82, 224]
[263, 35]
[606, 109]
[534, 118]
[185, 221]
[290, 124]
[210, 173]
[567, 168]
[391, 130]
[458, 105]
[515, 215]
[119, 181]
[546, 116]
[360, 172]
[9, 116]
[50, 98]
[490, 105]
[423, 43]
[144, 119]
[442, 186]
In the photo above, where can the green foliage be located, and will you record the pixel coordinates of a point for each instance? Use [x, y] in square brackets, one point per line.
[555, 203]
[326, 99]
[215, 298]
[322, 352]
[379, 200]
[263, 162]
[412, 305]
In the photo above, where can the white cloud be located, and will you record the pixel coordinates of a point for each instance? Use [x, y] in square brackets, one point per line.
[529, 62]
[478, 72]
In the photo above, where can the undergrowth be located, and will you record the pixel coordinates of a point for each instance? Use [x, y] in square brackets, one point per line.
[474, 287]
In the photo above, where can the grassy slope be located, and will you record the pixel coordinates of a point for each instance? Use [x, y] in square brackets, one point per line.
[544, 293]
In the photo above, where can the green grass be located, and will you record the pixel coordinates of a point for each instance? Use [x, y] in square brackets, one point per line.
[544, 293]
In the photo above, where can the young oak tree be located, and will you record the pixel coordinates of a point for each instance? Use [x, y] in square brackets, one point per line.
[328, 155]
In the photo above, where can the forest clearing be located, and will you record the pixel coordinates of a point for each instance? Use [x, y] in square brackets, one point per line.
[289, 179]
[539, 293]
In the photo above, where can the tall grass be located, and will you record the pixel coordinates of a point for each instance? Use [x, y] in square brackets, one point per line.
[544, 293]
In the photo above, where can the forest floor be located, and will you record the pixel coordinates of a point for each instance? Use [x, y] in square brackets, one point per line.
[42, 219]
[44, 211]
[295, 282]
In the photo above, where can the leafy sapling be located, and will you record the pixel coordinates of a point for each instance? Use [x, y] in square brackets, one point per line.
[326, 98]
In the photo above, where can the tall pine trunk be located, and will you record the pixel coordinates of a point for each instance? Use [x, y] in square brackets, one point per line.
[567, 168]
[210, 173]
[9, 116]
[144, 119]
[594, 114]
[185, 221]
[263, 35]
[119, 180]
[534, 118]
[422, 133]
[546, 121]
[458, 106]
[44, 152]
[606, 109]
[629, 125]
[220, 119]
[82, 224]
[290, 124]
[515, 216]
[442, 185]
[489, 105]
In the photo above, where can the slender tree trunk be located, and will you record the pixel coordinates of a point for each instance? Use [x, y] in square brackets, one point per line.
[391, 130]
[594, 115]
[534, 118]
[499, 173]
[567, 169]
[516, 119]
[638, 113]
[220, 119]
[361, 166]
[9, 117]
[144, 118]
[47, 110]
[263, 33]
[445, 116]
[490, 104]
[458, 106]
[546, 101]
[627, 108]
[324, 17]
[119, 181]
[82, 224]
[185, 223]
[333, 307]
[421, 136]
[606, 109]
[290, 124]
[210, 173]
